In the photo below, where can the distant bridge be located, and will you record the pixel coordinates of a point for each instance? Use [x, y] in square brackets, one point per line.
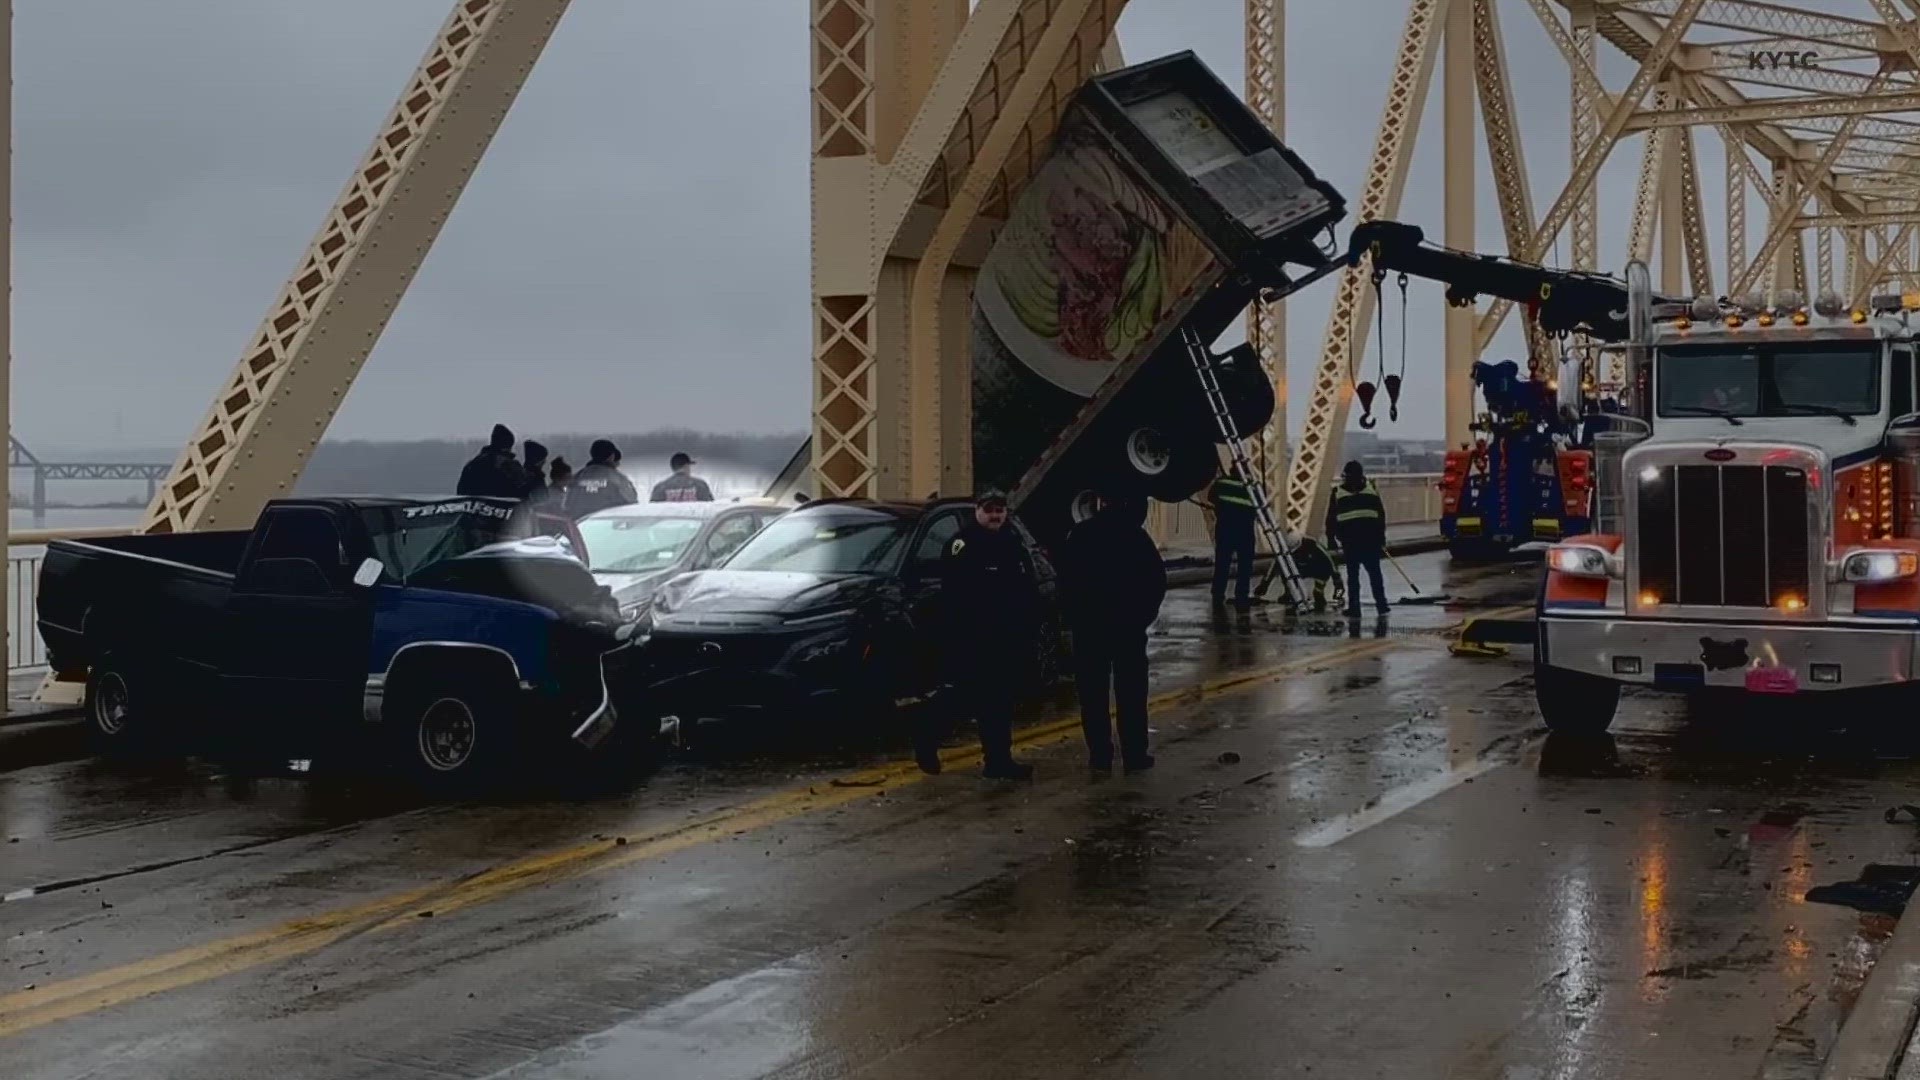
[19, 457]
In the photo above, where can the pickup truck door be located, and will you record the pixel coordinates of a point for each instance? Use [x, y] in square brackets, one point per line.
[299, 630]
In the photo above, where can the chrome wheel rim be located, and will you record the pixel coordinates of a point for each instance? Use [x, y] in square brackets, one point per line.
[446, 735]
[1083, 507]
[110, 708]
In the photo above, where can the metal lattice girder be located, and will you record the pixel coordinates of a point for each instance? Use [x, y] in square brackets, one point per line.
[1645, 204]
[1509, 162]
[1580, 182]
[1736, 196]
[1780, 109]
[1823, 260]
[1064, 52]
[1266, 93]
[1870, 219]
[1862, 286]
[1694, 218]
[1790, 197]
[1794, 23]
[1310, 472]
[1584, 132]
[272, 411]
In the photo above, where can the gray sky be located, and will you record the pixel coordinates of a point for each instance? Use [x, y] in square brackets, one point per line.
[633, 252]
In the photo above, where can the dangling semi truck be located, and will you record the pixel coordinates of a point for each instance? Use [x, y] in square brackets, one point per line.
[1762, 531]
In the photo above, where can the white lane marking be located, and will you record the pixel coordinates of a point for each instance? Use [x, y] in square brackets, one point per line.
[1398, 801]
[18, 894]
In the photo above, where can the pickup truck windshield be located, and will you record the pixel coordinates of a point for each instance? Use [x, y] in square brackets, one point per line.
[409, 539]
[631, 544]
[848, 541]
[1782, 381]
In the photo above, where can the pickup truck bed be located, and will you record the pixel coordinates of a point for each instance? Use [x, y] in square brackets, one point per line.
[173, 589]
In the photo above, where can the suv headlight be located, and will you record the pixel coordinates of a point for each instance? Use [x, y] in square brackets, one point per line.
[1580, 560]
[1870, 566]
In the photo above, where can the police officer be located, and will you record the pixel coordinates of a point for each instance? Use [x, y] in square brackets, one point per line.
[1357, 520]
[992, 604]
[600, 483]
[1114, 580]
[1233, 518]
[682, 486]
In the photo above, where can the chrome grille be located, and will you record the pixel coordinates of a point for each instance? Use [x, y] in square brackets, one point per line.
[1722, 535]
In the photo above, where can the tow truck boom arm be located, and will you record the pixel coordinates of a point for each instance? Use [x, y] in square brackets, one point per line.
[1566, 300]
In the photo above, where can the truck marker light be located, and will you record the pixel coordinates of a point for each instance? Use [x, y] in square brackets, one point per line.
[1683, 323]
[1734, 322]
[1649, 474]
[1765, 318]
[1649, 599]
[1858, 316]
[1791, 602]
[1799, 318]
[1824, 673]
[1626, 665]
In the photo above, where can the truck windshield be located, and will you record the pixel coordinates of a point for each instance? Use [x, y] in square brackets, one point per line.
[840, 541]
[1732, 382]
[408, 539]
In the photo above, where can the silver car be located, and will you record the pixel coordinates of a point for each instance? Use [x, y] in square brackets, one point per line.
[635, 549]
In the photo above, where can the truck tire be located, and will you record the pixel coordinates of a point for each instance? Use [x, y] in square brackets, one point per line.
[1573, 702]
[1249, 394]
[1164, 462]
[454, 736]
[123, 719]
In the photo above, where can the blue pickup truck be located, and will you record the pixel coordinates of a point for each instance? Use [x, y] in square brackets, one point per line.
[447, 633]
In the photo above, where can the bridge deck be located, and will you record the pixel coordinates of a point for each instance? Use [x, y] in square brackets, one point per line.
[1359, 856]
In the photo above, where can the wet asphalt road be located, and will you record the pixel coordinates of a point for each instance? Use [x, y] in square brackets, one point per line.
[1359, 857]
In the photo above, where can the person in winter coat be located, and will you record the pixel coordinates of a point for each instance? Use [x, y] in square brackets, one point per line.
[1234, 517]
[682, 486]
[493, 472]
[535, 470]
[1113, 580]
[600, 484]
[1357, 521]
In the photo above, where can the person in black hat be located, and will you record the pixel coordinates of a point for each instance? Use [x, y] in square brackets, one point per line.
[682, 486]
[1113, 580]
[1357, 521]
[493, 472]
[534, 471]
[600, 484]
[992, 607]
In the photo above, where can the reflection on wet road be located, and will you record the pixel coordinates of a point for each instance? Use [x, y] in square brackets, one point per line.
[1358, 856]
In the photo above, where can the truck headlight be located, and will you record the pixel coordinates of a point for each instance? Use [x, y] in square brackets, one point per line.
[1880, 566]
[1580, 560]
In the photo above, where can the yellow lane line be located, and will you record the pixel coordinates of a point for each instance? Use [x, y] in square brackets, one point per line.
[28, 1009]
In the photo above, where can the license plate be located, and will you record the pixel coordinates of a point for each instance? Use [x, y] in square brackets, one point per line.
[594, 730]
[1772, 680]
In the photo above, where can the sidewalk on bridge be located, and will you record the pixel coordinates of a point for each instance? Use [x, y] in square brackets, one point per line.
[35, 734]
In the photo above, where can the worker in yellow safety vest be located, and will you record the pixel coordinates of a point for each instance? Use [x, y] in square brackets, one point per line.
[1357, 522]
[1233, 518]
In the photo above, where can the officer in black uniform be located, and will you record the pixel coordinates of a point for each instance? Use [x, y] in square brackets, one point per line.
[600, 484]
[992, 605]
[1113, 579]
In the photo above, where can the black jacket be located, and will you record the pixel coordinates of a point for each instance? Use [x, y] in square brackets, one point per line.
[597, 487]
[1357, 518]
[492, 473]
[988, 587]
[1112, 575]
[682, 488]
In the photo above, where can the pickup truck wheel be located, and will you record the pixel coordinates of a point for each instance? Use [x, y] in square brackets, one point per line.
[122, 719]
[1574, 702]
[454, 737]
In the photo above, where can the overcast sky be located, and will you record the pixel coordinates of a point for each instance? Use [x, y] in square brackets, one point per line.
[633, 252]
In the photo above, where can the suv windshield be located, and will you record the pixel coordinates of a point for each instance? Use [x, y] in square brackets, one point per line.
[1731, 382]
[627, 544]
[843, 540]
[408, 539]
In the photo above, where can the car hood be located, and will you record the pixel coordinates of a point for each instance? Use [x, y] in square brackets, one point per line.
[763, 592]
[629, 588]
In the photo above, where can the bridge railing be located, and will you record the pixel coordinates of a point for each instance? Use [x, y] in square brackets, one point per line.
[25, 548]
[1410, 498]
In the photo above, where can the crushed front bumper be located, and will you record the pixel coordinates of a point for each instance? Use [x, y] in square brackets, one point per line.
[1682, 655]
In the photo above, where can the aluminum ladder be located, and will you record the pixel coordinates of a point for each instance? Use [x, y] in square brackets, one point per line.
[1205, 367]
